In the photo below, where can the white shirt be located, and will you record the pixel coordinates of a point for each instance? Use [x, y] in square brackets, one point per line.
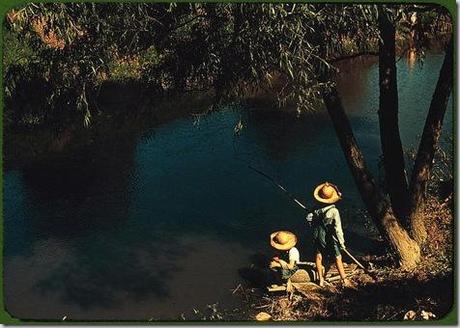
[294, 255]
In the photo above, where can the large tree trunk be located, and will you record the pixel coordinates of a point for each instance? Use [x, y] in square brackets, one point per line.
[376, 204]
[430, 137]
[393, 155]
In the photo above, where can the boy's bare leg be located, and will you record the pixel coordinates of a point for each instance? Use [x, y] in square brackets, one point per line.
[319, 268]
[339, 263]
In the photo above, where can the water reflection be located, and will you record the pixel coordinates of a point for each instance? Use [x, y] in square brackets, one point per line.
[411, 59]
[159, 277]
[66, 196]
[355, 80]
[139, 225]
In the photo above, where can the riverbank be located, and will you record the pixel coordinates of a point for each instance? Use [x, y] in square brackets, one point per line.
[384, 292]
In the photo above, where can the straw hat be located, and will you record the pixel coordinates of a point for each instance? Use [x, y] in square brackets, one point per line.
[327, 193]
[283, 240]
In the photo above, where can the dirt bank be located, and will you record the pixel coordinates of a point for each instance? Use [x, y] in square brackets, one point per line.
[383, 292]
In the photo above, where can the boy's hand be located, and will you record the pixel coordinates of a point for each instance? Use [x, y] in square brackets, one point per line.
[276, 259]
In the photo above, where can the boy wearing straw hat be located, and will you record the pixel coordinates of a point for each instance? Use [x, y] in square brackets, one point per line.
[285, 241]
[328, 237]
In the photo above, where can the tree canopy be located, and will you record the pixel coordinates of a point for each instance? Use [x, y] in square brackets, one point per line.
[71, 49]
[63, 53]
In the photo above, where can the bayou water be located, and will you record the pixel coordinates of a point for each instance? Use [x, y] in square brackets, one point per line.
[152, 227]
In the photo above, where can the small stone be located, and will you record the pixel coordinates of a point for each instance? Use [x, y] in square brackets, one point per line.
[410, 315]
[263, 316]
[427, 315]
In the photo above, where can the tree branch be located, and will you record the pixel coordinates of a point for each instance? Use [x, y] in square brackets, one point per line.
[427, 148]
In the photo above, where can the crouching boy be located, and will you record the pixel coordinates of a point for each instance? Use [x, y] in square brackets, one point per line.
[286, 263]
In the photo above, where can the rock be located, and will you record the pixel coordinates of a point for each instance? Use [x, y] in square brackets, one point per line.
[410, 315]
[306, 288]
[423, 315]
[263, 316]
[300, 276]
[427, 315]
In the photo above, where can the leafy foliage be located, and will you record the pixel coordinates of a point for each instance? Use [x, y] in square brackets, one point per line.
[230, 47]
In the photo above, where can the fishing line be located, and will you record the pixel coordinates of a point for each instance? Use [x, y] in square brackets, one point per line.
[237, 153]
[311, 209]
[253, 164]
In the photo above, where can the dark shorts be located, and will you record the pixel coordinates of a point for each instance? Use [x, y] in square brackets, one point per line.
[287, 273]
[331, 249]
[284, 274]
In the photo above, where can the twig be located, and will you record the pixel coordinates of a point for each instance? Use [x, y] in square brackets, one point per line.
[262, 306]
[235, 290]
[446, 201]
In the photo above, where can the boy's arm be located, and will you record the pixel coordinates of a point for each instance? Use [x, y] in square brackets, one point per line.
[338, 227]
[284, 264]
[290, 265]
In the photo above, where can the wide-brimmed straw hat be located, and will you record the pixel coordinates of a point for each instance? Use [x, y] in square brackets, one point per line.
[327, 193]
[283, 240]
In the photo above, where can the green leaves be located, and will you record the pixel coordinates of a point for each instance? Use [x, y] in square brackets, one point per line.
[229, 47]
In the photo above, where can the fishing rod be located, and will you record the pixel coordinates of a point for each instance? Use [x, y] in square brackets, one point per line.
[279, 186]
[304, 207]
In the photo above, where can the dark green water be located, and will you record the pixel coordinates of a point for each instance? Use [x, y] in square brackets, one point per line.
[154, 226]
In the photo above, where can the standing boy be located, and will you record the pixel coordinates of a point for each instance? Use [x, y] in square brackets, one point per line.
[327, 230]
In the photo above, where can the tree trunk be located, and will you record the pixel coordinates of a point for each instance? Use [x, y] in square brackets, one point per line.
[427, 148]
[393, 155]
[378, 207]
